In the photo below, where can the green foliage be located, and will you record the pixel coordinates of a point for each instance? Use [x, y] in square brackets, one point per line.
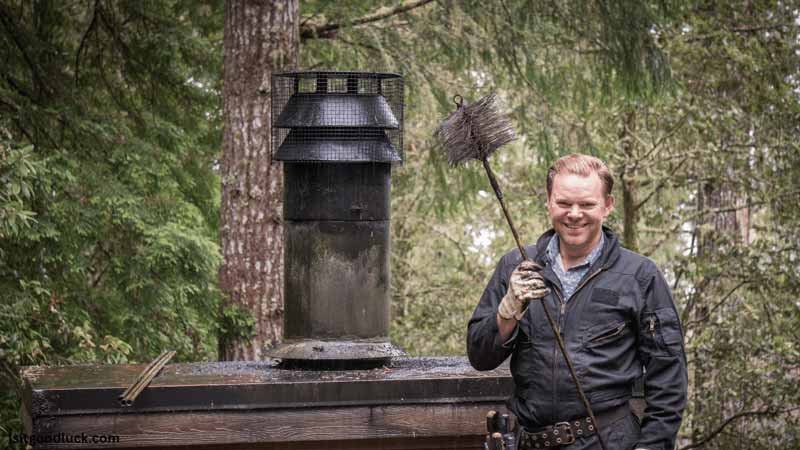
[236, 323]
[18, 171]
[109, 132]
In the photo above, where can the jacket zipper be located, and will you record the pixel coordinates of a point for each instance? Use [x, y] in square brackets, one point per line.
[562, 313]
[562, 309]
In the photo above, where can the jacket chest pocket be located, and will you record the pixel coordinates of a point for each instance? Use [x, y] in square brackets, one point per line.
[604, 334]
[606, 349]
[603, 307]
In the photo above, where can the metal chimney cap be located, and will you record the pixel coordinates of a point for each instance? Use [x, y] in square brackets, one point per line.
[337, 147]
[339, 74]
[359, 114]
[337, 110]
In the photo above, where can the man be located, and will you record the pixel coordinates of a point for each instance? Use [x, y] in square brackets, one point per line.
[615, 314]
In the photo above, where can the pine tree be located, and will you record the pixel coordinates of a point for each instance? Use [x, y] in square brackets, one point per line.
[260, 38]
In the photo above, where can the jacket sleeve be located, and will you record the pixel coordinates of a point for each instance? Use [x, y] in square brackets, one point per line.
[485, 349]
[662, 354]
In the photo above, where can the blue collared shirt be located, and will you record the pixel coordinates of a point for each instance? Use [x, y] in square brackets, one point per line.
[570, 278]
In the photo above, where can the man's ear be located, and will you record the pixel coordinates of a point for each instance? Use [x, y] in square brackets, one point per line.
[610, 202]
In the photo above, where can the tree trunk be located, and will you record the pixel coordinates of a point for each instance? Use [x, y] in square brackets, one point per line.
[260, 37]
[630, 187]
[712, 195]
[697, 375]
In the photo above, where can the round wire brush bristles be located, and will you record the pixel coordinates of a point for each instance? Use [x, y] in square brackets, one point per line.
[475, 131]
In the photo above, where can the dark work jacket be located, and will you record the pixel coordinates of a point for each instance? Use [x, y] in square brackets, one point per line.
[620, 319]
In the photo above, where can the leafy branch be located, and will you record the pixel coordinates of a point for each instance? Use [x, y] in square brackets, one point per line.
[329, 30]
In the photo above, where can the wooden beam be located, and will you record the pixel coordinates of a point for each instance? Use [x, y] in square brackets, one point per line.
[413, 403]
[404, 427]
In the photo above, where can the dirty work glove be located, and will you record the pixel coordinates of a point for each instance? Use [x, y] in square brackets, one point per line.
[526, 283]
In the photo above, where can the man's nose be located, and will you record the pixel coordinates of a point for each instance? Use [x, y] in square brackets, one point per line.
[574, 211]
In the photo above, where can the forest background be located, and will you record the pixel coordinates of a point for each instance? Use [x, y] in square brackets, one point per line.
[111, 125]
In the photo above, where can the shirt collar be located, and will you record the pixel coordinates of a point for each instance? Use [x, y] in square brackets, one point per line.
[554, 255]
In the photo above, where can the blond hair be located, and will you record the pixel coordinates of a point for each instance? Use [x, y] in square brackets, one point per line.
[583, 165]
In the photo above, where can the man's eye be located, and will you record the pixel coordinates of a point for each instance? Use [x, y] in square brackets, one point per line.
[587, 205]
[563, 205]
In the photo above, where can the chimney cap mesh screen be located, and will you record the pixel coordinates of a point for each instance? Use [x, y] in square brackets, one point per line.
[337, 116]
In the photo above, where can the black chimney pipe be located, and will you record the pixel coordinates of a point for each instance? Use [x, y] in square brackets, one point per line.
[338, 135]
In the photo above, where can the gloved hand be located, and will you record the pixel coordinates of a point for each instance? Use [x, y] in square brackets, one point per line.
[526, 283]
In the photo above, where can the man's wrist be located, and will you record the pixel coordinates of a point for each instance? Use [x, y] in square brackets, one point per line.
[505, 327]
[509, 308]
[505, 315]
[504, 318]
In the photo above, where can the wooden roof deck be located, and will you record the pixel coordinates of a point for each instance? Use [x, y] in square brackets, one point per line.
[413, 403]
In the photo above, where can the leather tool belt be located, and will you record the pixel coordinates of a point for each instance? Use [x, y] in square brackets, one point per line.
[565, 433]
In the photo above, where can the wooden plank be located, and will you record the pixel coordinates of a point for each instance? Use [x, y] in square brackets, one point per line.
[385, 427]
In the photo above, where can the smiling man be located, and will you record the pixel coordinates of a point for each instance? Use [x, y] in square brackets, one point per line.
[614, 311]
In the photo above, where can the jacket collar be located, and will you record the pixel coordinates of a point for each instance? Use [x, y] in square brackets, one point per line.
[608, 256]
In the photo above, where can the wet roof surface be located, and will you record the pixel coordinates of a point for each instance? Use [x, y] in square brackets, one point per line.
[234, 372]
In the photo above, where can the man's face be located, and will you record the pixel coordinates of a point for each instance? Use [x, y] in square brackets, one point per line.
[577, 207]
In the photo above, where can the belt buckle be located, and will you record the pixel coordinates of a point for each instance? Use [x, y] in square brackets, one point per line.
[563, 433]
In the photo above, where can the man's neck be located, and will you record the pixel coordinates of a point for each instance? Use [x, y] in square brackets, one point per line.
[570, 262]
[572, 259]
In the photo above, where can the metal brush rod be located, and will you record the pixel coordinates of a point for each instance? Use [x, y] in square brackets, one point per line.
[140, 377]
[145, 378]
[499, 194]
[149, 375]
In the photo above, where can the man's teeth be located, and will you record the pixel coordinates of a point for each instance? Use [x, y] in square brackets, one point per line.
[574, 227]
